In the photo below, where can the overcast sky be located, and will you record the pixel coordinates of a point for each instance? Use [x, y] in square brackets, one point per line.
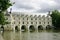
[35, 6]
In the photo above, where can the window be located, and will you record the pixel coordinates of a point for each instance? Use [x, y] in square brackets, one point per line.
[39, 18]
[44, 22]
[48, 22]
[48, 18]
[6, 18]
[19, 22]
[27, 22]
[7, 26]
[27, 18]
[22, 15]
[39, 22]
[14, 17]
[44, 19]
[35, 18]
[31, 18]
[19, 18]
[31, 22]
[23, 22]
[14, 22]
[23, 18]
[36, 22]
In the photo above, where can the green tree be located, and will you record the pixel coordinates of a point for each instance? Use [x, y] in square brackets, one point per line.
[2, 19]
[56, 19]
[4, 5]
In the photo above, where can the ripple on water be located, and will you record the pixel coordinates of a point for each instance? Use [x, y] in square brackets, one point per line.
[43, 35]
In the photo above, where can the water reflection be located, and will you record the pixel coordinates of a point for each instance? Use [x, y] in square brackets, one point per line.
[42, 35]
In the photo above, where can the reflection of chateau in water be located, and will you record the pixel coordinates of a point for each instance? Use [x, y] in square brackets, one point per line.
[27, 22]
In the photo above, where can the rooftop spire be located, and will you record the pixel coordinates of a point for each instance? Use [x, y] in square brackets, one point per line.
[10, 10]
[48, 13]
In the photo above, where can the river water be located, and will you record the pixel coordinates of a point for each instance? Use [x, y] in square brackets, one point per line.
[42, 35]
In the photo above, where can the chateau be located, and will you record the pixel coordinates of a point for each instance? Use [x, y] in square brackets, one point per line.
[27, 22]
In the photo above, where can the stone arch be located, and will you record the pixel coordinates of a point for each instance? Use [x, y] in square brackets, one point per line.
[40, 27]
[48, 27]
[2, 28]
[23, 28]
[31, 28]
[16, 28]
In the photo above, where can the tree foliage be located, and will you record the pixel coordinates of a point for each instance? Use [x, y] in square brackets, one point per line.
[2, 19]
[56, 19]
[4, 5]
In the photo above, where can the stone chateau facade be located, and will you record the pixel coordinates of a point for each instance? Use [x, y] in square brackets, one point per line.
[24, 21]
